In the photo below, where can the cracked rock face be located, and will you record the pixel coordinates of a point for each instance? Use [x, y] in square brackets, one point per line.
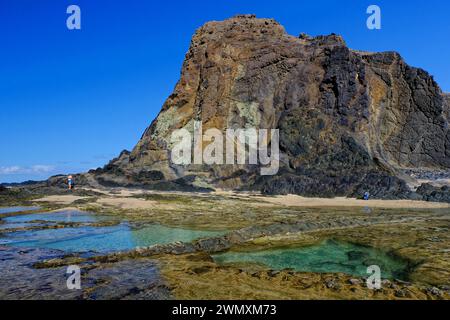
[348, 120]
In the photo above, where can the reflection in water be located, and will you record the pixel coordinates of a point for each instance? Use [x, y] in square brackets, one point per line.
[16, 209]
[104, 239]
[60, 216]
[367, 210]
[328, 257]
[90, 238]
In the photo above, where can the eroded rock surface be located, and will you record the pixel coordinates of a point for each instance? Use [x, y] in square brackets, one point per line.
[20, 278]
[349, 121]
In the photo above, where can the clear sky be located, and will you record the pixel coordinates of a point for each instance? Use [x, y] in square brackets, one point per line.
[72, 100]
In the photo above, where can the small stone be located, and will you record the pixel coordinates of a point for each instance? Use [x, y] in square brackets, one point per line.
[273, 273]
[386, 283]
[401, 293]
[201, 270]
[331, 284]
[434, 291]
[355, 281]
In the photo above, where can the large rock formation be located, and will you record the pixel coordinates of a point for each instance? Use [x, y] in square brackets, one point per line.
[349, 121]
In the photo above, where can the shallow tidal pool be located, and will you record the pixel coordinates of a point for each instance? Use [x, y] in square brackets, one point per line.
[328, 257]
[4, 210]
[120, 237]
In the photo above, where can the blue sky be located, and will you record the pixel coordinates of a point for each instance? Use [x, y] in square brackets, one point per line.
[72, 100]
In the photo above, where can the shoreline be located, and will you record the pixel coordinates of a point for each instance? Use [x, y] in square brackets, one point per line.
[299, 201]
[128, 199]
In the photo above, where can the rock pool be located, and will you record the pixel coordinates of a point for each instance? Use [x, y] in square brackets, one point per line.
[16, 209]
[328, 257]
[104, 239]
[58, 216]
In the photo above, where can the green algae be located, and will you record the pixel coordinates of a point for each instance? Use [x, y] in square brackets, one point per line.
[327, 257]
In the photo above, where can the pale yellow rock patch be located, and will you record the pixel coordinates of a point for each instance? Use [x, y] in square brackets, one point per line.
[128, 203]
[60, 199]
[298, 201]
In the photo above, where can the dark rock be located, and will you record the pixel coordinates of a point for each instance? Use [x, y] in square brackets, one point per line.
[434, 291]
[383, 186]
[201, 270]
[402, 293]
[332, 284]
[435, 194]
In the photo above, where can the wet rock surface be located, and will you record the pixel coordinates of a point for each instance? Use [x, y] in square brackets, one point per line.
[240, 237]
[20, 279]
[187, 269]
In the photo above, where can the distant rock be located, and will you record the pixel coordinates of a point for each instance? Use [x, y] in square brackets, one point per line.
[435, 194]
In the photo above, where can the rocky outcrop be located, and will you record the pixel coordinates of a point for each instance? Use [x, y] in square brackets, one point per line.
[435, 194]
[349, 121]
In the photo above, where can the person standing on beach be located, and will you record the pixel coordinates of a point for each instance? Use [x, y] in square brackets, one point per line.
[70, 182]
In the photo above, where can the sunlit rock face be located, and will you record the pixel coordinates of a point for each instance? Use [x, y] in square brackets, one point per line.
[349, 121]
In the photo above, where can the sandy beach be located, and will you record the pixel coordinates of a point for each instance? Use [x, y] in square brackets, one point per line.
[128, 199]
[298, 201]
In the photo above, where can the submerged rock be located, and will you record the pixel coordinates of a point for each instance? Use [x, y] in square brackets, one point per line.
[21, 279]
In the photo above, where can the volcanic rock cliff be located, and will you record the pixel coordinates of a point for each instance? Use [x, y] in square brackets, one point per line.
[349, 121]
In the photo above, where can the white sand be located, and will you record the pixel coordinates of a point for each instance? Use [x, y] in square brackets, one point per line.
[64, 199]
[128, 203]
[298, 201]
[122, 198]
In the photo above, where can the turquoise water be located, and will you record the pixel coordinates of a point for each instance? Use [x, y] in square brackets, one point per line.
[19, 225]
[102, 239]
[328, 257]
[40, 219]
[16, 209]
[60, 216]
[88, 238]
